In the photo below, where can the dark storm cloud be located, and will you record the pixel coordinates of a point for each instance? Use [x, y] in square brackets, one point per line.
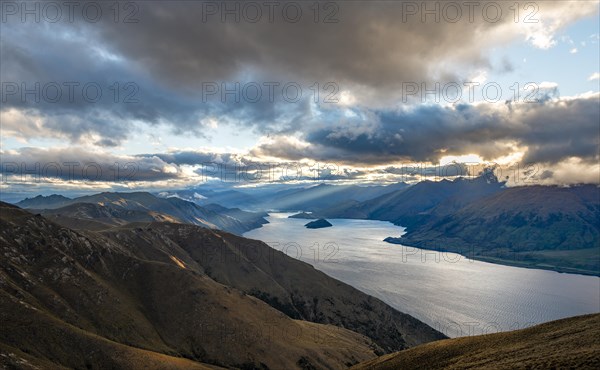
[41, 165]
[557, 131]
[77, 88]
[423, 134]
[549, 131]
[375, 44]
[169, 50]
[367, 44]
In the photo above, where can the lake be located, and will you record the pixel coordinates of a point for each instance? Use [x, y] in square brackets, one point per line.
[453, 294]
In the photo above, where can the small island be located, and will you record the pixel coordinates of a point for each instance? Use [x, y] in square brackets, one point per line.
[318, 224]
[304, 215]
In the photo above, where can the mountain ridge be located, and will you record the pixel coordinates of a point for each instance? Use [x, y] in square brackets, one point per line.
[146, 287]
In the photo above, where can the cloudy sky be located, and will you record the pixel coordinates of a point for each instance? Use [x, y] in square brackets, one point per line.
[172, 94]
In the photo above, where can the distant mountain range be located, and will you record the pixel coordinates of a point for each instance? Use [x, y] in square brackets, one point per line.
[421, 202]
[285, 198]
[108, 209]
[180, 296]
[225, 198]
[45, 202]
[324, 196]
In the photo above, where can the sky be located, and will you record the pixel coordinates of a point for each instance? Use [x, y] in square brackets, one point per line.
[106, 96]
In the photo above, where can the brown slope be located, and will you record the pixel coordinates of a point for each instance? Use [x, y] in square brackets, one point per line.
[48, 343]
[564, 344]
[68, 296]
[291, 286]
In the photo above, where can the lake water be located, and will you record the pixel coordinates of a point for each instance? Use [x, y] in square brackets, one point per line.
[453, 294]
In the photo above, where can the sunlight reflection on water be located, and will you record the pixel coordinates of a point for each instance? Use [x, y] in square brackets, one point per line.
[455, 295]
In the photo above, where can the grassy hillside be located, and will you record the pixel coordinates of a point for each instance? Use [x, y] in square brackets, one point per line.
[138, 297]
[564, 344]
[538, 226]
[293, 287]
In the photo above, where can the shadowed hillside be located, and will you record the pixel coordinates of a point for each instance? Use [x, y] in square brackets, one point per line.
[421, 202]
[564, 344]
[534, 226]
